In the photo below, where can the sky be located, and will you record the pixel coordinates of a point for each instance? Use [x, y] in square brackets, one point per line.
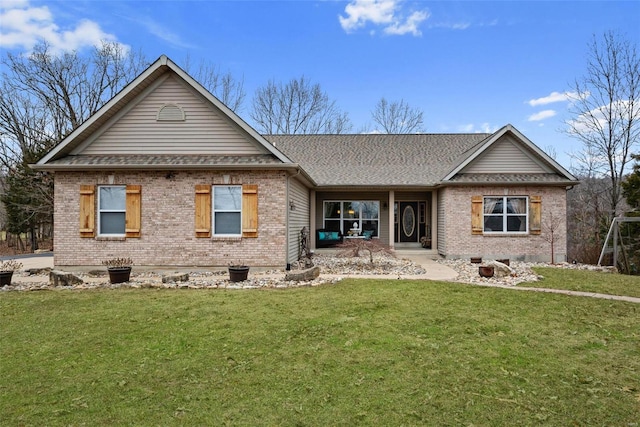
[470, 66]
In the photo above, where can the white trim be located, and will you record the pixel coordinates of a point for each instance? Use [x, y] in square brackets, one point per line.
[214, 211]
[505, 215]
[100, 211]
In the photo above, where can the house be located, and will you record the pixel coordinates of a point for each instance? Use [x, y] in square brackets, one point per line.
[166, 174]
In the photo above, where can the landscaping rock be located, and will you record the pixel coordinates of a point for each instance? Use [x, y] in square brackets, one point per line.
[500, 269]
[97, 273]
[174, 278]
[38, 271]
[62, 278]
[303, 275]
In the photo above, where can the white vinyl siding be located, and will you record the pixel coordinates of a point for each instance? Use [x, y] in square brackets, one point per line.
[204, 130]
[506, 156]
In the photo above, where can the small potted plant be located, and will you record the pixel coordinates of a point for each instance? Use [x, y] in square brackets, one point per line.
[238, 272]
[6, 270]
[119, 269]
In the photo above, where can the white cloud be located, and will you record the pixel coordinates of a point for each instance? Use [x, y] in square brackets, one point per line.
[596, 119]
[23, 26]
[553, 97]
[451, 26]
[541, 115]
[409, 26]
[385, 13]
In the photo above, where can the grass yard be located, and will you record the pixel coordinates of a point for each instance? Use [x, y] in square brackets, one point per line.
[362, 352]
[587, 281]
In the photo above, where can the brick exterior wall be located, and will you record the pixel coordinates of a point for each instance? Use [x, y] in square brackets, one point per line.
[168, 221]
[460, 243]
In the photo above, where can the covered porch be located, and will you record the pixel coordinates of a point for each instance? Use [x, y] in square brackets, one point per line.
[399, 218]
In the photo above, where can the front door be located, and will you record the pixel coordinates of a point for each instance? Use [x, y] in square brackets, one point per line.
[407, 222]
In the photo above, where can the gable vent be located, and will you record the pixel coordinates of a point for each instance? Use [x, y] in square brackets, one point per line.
[171, 112]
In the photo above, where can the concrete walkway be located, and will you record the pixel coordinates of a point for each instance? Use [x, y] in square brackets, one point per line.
[435, 271]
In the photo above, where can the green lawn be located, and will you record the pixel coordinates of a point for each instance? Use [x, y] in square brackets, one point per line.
[587, 281]
[362, 352]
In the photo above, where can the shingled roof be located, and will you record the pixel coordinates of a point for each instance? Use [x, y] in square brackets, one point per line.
[377, 159]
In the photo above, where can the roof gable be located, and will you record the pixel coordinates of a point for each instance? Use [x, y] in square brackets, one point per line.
[170, 118]
[136, 93]
[506, 155]
[505, 152]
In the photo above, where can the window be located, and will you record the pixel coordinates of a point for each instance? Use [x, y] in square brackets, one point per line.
[227, 210]
[347, 215]
[112, 210]
[231, 211]
[505, 215]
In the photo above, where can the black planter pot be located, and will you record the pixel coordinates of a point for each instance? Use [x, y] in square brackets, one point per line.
[5, 277]
[238, 273]
[485, 271]
[119, 274]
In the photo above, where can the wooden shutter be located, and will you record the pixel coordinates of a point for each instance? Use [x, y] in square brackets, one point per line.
[476, 215]
[87, 210]
[535, 214]
[250, 210]
[203, 210]
[134, 211]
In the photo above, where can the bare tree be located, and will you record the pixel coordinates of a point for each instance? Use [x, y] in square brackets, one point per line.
[297, 107]
[397, 117]
[606, 111]
[43, 97]
[551, 225]
[223, 85]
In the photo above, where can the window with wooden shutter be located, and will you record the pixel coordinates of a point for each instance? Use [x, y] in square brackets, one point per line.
[203, 210]
[250, 210]
[87, 211]
[133, 210]
[476, 215]
[535, 214]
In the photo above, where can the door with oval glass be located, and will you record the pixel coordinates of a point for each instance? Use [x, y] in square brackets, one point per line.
[407, 222]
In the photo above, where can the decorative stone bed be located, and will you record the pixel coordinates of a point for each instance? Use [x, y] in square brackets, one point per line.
[332, 270]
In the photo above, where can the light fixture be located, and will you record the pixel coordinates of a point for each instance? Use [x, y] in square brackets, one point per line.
[351, 211]
[292, 205]
[338, 211]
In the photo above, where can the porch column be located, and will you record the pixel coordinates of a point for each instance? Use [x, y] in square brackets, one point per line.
[434, 219]
[392, 200]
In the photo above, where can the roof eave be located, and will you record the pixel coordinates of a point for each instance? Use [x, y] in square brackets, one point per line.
[567, 183]
[167, 166]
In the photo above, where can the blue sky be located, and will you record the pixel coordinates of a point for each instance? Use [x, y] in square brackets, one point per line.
[470, 66]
